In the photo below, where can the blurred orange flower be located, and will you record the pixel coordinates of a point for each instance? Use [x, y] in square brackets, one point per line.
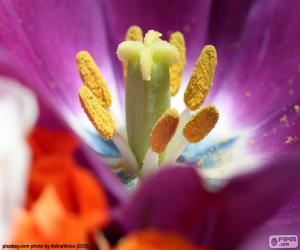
[45, 141]
[48, 222]
[76, 187]
[156, 240]
[64, 202]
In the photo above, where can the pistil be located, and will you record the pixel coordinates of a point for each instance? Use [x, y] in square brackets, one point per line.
[147, 87]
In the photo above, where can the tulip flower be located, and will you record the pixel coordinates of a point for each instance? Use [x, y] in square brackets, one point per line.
[253, 91]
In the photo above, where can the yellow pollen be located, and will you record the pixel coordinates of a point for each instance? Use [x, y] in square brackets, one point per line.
[297, 108]
[290, 139]
[201, 80]
[98, 115]
[201, 124]
[284, 119]
[134, 33]
[164, 130]
[248, 94]
[92, 78]
[176, 70]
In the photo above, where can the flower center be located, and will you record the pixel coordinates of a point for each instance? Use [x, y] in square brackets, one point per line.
[153, 69]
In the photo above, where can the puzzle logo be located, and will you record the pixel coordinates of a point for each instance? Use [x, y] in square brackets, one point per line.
[283, 241]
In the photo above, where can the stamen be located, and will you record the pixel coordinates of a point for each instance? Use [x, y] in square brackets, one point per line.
[92, 78]
[134, 33]
[176, 70]
[164, 130]
[201, 124]
[201, 80]
[97, 114]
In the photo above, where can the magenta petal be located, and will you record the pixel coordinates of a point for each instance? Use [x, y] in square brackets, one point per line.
[264, 75]
[280, 135]
[43, 37]
[38, 44]
[175, 200]
[40, 39]
[249, 200]
[172, 199]
[262, 84]
[285, 222]
[226, 25]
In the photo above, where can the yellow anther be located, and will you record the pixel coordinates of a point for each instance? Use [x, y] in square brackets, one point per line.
[176, 70]
[134, 33]
[201, 124]
[97, 114]
[201, 80]
[92, 78]
[164, 130]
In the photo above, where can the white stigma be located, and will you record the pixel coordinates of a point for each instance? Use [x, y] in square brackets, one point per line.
[152, 50]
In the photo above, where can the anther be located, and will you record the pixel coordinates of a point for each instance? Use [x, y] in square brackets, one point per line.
[164, 130]
[176, 70]
[201, 124]
[134, 33]
[201, 80]
[97, 114]
[92, 78]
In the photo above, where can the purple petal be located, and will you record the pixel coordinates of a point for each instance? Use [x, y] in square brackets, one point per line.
[175, 200]
[54, 31]
[285, 222]
[251, 199]
[43, 37]
[265, 73]
[258, 88]
[280, 135]
[39, 41]
[226, 24]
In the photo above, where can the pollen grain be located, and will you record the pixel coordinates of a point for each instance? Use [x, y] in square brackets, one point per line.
[97, 114]
[176, 70]
[92, 78]
[199, 126]
[201, 80]
[164, 130]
